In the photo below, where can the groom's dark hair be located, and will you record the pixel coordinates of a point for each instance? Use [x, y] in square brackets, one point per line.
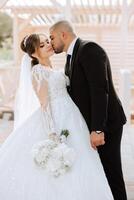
[63, 24]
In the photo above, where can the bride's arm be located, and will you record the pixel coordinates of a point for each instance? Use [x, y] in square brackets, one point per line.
[41, 89]
[40, 85]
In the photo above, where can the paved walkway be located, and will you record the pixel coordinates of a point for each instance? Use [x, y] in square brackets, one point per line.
[127, 153]
[128, 160]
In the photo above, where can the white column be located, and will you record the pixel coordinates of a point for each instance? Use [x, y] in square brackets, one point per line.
[125, 75]
[124, 35]
[125, 92]
[15, 39]
[68, 10]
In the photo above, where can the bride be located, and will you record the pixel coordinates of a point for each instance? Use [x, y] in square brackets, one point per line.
[43, 106]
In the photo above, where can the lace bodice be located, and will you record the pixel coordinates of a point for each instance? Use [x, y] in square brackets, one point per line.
[50, 86]
[55, 80]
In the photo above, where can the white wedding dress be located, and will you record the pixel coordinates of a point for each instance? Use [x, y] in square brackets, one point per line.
[21, 179]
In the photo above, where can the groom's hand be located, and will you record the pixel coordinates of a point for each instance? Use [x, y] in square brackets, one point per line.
[97, 139]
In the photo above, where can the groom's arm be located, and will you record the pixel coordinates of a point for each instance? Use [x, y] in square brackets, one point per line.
[94, 63]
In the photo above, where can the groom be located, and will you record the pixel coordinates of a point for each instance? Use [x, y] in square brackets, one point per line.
[91, 88]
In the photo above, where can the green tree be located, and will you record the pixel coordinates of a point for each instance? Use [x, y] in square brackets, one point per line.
[5, 27]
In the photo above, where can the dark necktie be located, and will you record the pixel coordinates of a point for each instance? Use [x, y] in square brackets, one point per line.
[67, 65]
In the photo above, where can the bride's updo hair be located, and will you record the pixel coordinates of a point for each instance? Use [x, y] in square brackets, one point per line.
[29, 44]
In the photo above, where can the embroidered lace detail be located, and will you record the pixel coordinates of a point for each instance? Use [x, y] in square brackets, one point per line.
[56, 80]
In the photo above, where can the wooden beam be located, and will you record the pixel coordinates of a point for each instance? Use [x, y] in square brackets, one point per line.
[74, 9]
[32, 9]
[86, 27]
[75, 12]
[94, 10]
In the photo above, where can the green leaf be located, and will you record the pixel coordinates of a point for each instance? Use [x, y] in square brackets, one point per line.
[65, 132]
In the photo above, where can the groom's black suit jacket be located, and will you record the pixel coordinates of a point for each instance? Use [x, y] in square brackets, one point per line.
[91, 87]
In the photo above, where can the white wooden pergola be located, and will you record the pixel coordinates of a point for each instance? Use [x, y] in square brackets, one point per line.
[90, 17]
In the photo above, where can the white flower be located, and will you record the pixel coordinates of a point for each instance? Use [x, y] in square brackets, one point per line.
[54, 155]
[63, 138]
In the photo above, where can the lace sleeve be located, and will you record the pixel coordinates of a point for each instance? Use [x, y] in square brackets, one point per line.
[40, 84]
[41, 88]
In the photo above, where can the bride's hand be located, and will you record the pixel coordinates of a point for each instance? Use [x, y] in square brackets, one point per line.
[97, 139]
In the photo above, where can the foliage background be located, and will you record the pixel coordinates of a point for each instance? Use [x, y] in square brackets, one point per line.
[5, 37]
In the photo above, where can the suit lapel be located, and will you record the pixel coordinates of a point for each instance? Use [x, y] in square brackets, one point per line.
[76, 47]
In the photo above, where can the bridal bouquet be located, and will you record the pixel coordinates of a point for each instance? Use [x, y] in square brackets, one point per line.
[53, 154]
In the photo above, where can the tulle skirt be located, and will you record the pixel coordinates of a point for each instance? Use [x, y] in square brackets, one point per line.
[21, 179]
